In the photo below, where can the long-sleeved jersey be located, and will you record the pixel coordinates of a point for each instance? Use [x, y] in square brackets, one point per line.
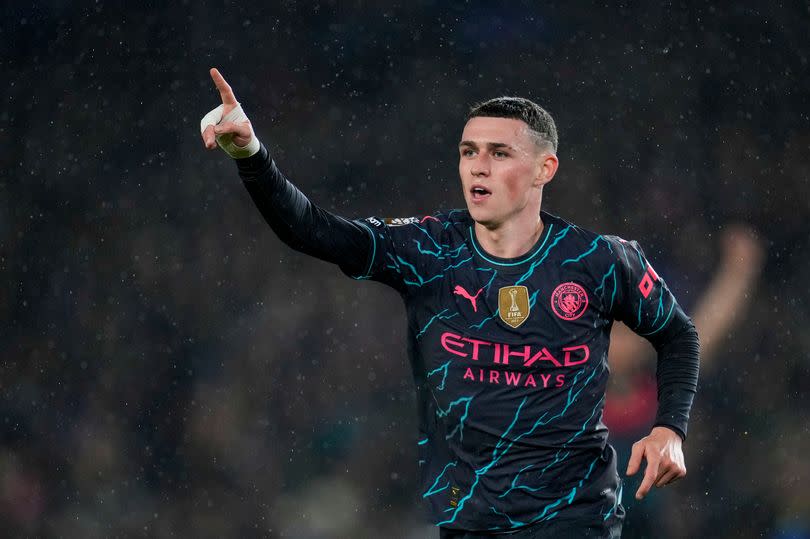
[509, 356]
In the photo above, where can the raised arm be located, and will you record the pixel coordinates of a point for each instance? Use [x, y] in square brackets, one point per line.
[298, 222]
[726, 298]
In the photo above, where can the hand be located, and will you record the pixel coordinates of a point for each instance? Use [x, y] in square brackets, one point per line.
[665, 464]
[242, 132]
[743, 250]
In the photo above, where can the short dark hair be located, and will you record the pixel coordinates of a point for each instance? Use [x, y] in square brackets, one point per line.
[536, 117]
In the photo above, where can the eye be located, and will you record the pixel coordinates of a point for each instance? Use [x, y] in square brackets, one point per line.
[500, 154]
[467, 152]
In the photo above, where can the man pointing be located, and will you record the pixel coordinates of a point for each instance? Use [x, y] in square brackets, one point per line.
[509, 314]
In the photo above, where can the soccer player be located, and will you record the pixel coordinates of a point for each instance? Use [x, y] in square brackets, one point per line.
[509, 314]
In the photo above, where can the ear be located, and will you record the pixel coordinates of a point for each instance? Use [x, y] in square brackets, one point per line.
[547, 167]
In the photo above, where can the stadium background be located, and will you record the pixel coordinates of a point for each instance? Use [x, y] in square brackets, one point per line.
[170, 369]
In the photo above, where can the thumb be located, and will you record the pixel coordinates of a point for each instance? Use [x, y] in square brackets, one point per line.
[209, 138]
[635, 458]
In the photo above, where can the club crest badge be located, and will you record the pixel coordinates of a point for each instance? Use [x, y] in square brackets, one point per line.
[513, 305]
[569, 301]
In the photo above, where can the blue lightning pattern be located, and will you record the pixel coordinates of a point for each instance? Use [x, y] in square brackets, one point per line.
[421, 281]
[515, 486]
[593, 413]
[570, 497]
[426, 233]
[610, 272]
[514, 523]
[460, 427]
[560, 235]
[394, 265]
[660, 309]
[442, 250]
[558, 459]
[498, 455]
[444, 368]
[491, 280]
[481, 471]
[440, 253]
[663, 324]
[485, 320]
[438, 316]
[433, 490]
[590, 251]
[544, 515]
[616, 503]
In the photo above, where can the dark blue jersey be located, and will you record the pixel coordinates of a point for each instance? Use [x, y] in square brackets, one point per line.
[510, 362]
[509, 356]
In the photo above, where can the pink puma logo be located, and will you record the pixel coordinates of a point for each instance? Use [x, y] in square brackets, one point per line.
[426, 217]
[460, 291]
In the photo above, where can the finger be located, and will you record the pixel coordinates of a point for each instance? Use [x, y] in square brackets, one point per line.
[664, 478]
[635, 459]
[669, 476]
[225, 91]
[209, 138]
[650, 474]
[239, 129]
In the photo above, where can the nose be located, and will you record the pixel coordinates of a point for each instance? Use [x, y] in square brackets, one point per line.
[480, 166]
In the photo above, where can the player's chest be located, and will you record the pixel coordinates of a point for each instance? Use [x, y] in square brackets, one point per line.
[501, 330]
[486, 301]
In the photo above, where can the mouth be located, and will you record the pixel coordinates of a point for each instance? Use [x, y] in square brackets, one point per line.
[479, 193]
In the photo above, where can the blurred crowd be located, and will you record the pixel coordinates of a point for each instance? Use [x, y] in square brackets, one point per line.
[170, 369]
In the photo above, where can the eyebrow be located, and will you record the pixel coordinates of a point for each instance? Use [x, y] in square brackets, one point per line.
[490, 145]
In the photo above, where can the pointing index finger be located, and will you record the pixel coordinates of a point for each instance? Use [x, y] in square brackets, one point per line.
[224, 88]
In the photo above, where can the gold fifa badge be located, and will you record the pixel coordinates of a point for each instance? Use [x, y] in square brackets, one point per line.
[513, 304]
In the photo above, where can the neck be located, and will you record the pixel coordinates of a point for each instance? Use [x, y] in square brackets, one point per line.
[512, 239]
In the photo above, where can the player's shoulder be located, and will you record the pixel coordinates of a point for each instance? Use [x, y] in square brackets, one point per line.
[444, 226]
[581, 239]
[569, 234]
[447, 220]
[438, 222]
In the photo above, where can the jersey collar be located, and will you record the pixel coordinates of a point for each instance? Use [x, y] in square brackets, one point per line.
[508, 265]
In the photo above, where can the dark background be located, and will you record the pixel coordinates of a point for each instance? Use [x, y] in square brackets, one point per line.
[170, 369]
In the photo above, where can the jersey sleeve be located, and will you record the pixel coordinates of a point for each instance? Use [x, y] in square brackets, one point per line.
[406, 252]
[298, 222]
[643, 301]
[400, 252]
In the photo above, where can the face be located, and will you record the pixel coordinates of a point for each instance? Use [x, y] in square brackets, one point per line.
[502, 170]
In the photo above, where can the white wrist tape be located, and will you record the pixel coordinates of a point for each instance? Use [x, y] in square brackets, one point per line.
[225, 140]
